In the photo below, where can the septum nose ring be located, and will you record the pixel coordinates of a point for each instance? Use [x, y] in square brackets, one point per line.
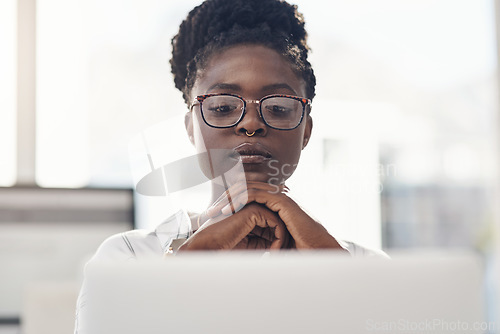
[249, 134]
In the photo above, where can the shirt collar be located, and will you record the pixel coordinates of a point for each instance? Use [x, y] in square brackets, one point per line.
[177, 226]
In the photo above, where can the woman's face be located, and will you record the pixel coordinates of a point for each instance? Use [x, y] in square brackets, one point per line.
[250, 71]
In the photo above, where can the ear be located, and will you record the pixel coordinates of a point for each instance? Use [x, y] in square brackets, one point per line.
[188, 123]
[307, 131]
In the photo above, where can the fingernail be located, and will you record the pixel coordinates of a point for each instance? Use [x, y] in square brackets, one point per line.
[209, 211]
[213, 212]
[226, 210]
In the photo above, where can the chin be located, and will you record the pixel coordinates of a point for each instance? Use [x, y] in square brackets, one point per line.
[261, 177]
[256, 177]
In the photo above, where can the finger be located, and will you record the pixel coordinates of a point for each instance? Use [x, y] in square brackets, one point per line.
[268, 226]
[226, 198]
[305, 231]
[259, 232]
[268, 234]
[280, 236]
[234, 189]
[243, 244]
[258, 194]
[235, 204]
[287, 210]
[222, 234]
[272, 228]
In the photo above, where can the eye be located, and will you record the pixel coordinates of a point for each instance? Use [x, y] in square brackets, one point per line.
[222, 108]
[222, 105]
[278, 110]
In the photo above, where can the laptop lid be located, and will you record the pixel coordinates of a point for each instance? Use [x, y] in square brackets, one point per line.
[285, 293]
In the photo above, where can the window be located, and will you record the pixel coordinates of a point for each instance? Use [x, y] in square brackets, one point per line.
[102, 79]
[406, 102]
[404, 114]
[8, 66]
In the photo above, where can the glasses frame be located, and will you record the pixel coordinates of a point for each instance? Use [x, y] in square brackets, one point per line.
[200, 98]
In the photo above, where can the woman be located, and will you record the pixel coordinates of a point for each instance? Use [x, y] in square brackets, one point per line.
[243, 71]
[250, 100]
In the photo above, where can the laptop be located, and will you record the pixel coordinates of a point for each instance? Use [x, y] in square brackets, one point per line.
[286, 292]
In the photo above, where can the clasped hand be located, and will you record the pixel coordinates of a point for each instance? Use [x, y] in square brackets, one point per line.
[254, 215]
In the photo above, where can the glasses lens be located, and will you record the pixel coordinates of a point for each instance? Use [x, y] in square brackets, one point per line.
[222, 110]
[282, 112]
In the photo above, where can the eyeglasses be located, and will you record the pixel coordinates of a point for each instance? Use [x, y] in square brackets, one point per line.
[281, 112]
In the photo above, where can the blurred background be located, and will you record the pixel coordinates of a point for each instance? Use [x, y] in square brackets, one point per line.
[404, 153]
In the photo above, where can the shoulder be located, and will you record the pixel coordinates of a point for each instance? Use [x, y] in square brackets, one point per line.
[357, 250]
[138, 244]
[128, 245]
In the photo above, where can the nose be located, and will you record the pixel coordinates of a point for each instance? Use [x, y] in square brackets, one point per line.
[251, 122]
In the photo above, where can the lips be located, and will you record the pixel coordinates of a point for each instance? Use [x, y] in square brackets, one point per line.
[251, 153]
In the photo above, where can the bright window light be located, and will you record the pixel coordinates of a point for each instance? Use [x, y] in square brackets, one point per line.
[8, 21]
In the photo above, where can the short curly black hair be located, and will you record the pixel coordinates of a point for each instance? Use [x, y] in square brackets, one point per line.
[219, 24]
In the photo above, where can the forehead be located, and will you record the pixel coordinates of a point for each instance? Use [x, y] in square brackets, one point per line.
[249, 69]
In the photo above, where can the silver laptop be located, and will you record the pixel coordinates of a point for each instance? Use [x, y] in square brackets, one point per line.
[316, 292]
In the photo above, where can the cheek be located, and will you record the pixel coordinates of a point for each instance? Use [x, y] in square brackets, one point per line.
[205, 136]
[207, 139]
[289, 156]
[293, 144]
[198, 138]
[201, 148]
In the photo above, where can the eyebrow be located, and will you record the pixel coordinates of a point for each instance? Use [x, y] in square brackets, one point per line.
[224, 86]
[237, 88]
[279, 86]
